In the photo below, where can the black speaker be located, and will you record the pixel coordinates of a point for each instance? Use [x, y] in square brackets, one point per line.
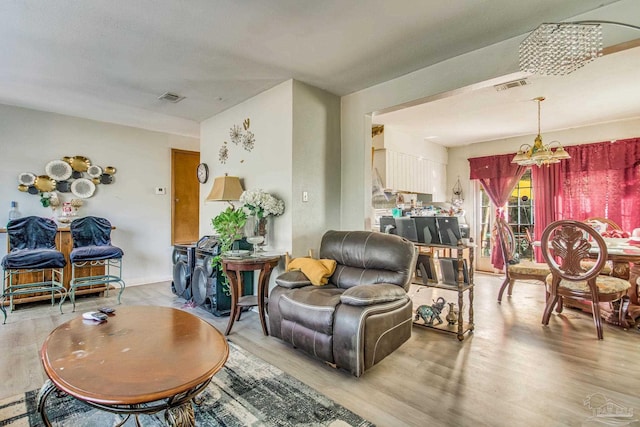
[183, 264]
[203, 282]
[209, 287]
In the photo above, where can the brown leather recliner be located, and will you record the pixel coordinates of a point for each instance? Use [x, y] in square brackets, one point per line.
[362, 315]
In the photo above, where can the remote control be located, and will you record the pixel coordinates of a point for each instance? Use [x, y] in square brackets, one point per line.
[95, 315]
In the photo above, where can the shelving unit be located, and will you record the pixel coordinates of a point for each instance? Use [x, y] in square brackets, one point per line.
[462, 325]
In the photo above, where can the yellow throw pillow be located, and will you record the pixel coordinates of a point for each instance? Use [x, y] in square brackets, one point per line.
[317, 270]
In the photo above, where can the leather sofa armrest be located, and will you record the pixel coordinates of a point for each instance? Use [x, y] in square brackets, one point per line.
[363, 295]
[293, 279]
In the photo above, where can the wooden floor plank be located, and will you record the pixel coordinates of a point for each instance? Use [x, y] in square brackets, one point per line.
[511, 371]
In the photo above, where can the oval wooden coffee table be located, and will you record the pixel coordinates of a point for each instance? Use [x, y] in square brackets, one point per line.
[142, 360]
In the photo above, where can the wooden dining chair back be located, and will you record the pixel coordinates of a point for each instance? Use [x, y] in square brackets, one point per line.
[596, 222]
[565, 244]
[611, 225]
[515, 269]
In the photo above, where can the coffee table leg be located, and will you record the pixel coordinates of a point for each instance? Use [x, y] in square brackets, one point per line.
[43, 394]
[180, 416]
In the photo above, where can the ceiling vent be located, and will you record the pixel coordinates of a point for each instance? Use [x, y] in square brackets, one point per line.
[511, 84]
[171, 97]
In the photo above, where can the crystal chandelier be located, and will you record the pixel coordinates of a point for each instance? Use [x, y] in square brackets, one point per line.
[539, 154]
[562, 48]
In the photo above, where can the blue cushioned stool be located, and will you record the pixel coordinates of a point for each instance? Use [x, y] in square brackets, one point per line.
[92, 248]
[32, 255]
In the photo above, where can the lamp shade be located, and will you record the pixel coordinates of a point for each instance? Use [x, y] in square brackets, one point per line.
[225, 188]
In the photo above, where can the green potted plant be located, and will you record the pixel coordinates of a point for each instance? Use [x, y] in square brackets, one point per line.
[229, 225]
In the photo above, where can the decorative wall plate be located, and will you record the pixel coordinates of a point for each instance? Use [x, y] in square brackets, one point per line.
[24, 188]
[63, 186]
[105, 178]
[44, 183]
[58, 170]
[26, 178]
[80, 163]
[83, 188]
[110, 170]
[94, 171]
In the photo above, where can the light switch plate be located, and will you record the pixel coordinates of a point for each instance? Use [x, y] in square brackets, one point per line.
[161, 191]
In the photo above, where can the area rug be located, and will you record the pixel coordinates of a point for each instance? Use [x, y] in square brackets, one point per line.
[246, 392]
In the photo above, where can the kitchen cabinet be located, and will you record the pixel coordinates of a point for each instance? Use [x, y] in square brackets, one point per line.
[408, 173]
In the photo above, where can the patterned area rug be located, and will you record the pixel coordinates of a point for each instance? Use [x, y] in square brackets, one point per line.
[246, 392]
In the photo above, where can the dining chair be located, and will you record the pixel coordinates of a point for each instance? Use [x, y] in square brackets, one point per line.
[93, 251]
[610, 225]
[564, 245]
[33, 264]
[515, 269]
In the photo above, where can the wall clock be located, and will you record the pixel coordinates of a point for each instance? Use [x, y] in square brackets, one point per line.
[203, 173]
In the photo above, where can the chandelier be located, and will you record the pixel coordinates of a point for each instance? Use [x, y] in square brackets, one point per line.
[540, 154]
[562, 48]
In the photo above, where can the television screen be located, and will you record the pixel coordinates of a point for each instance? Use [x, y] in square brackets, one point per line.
[406, 227]
[388, 225]
[448, 230]
[427, 229]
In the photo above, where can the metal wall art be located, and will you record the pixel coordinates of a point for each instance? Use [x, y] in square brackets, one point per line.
[76, 175]
[239, 135]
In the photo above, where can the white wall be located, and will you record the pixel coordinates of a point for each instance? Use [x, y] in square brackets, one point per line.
[268, 166]
[316, 166]
[30, 139]
[410, 143]
[297, 149]
[484, 67]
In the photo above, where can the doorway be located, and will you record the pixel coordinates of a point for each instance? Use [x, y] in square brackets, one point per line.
[185, 197]
[518, 212]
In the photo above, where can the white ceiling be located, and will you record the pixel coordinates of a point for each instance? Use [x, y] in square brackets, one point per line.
[110, 59]
[605, 90]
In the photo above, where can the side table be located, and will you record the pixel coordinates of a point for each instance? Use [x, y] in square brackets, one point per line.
[233, 268]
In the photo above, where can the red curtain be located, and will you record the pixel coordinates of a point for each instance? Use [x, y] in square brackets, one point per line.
[547, 187]
[498, 177]
[600, 180]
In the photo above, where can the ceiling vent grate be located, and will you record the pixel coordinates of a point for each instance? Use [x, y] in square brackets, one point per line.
[511, 84]
[171, 97]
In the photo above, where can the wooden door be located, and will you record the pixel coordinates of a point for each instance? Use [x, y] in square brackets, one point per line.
[185, 197]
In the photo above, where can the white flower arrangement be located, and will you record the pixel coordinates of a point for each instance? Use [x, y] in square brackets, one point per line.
[262, 204]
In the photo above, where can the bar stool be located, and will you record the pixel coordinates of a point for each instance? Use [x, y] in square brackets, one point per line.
[33, 264]
[92, 248]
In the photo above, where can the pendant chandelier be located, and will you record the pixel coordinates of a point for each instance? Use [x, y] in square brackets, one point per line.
[562, 48]
[540, 154]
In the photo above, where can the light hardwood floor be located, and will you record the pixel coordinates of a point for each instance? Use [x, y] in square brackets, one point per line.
[511, 372]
